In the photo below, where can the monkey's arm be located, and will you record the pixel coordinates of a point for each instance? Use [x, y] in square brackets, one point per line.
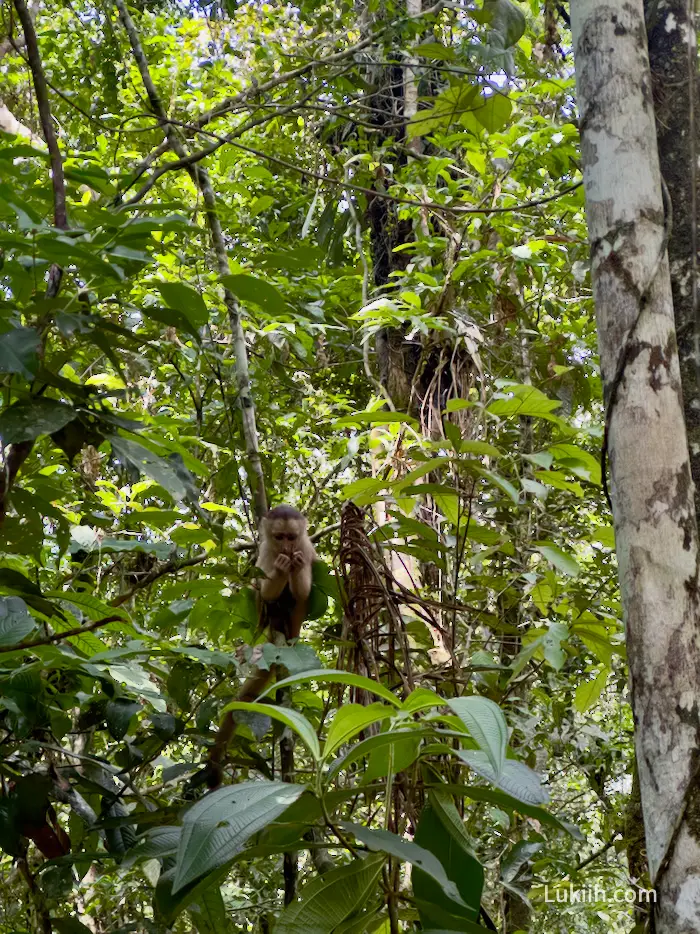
[300, 577]
[251, 689]
[275, 580]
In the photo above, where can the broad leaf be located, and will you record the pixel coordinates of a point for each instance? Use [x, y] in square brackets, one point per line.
[216, 829]
[19, 349]
[332, 898]
[15, 621]
[339, 677]
[184, 299]
[292, 719]
[260, 292]
[486, 725]
[25, 421]
[441, 832]
[350, 720]
[515, 778]
[385, 842]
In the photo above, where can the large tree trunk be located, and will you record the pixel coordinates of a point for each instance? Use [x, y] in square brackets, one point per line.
[652, 490]
[676, 86]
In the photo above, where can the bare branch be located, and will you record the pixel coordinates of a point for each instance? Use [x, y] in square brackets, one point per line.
[60, 636]
[42, 101]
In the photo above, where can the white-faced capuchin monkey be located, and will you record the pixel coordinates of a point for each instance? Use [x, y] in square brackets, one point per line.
[285, 557]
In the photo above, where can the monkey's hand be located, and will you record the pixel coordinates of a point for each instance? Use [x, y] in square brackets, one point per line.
[298, 560]
[283, 563]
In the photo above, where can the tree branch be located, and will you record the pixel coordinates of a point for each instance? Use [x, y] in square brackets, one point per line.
[256, 478]
[18, 453]
[42, 100]
[60, 636]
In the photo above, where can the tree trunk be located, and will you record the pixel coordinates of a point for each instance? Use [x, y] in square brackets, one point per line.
[676, 87]
[652, 490]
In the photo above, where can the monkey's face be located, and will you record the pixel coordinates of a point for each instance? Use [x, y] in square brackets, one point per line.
[284, 534]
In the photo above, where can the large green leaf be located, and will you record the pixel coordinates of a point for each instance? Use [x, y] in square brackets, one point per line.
[407, 852]
[515, 778]
[260, 292]
[19, 351]
[349, 720]
[215, 829]
[25, 421]
[184, 299]
[562, 562]
[486, 725]
[339, 677]
[172, 475]
[291, 718]
[523, 401]
[331, 899]
[588, 692]
[441, 832]
[15, 621]
[375, 743]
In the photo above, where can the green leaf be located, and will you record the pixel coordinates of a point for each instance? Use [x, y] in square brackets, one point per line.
[559, 559]
[595, 637]
[506, 20]
[118, 715]
[368, 746]
[395, 756]
[292, 718]
[385, 842]
[494, 112]
[15, 621]
[579, 461]
[249, 288]
[374, 418]
[486, 725]
[449, 106]
[422, 699]
[501, 482]
[551, 644]
[441, 832]
[208, 911]
[515, 778]
[19, 351]
[216, 828]
[185, 300]
[25, 421]
[605, 536]
[502, 800]
[479, 448]
[170, 473]
[435, 50]
[338, 677]
[350, 720]
[524, 401]
[553, 478]
[588, 692]
[332, 898]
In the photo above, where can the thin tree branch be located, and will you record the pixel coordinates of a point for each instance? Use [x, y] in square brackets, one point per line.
[60, 636]
[18, 453]
[42, 100]
[169, 568]
[200, 176]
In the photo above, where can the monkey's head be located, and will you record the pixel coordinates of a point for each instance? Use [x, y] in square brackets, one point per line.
[283, 528]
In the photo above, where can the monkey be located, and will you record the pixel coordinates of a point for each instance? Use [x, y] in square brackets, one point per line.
[285, 557]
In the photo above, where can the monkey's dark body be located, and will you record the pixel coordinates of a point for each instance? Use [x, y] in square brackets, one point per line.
[286, 555]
